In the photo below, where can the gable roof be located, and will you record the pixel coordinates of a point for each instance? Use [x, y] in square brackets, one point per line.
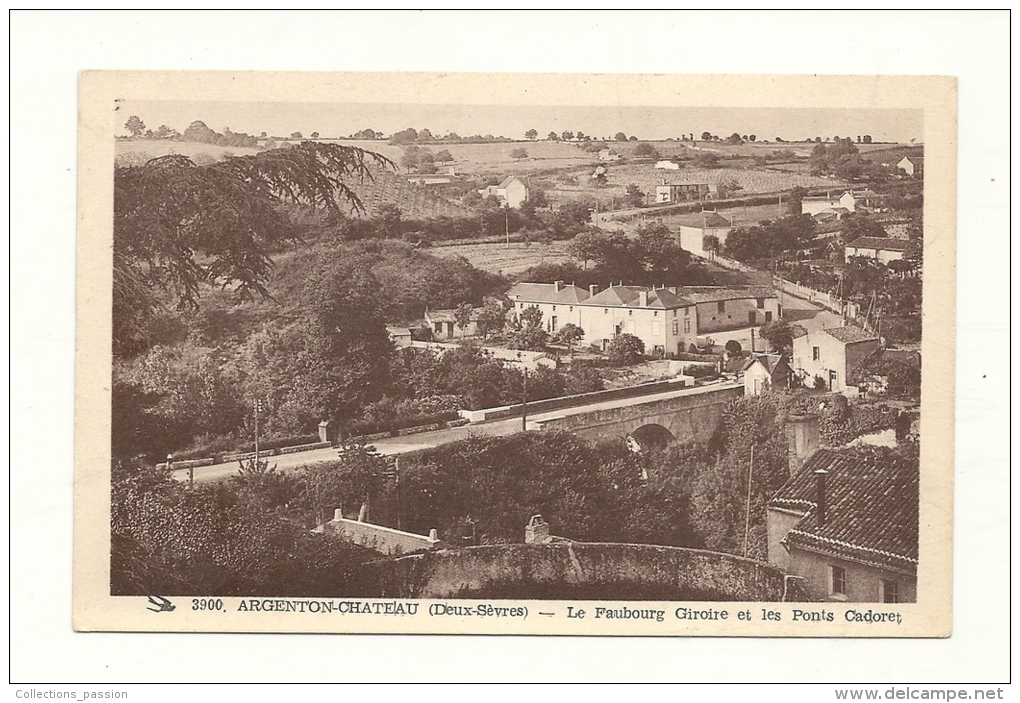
[770, 361]
[450, 315]
[509, 179]
[704, 219]
[711, 294]
[630, 297]
[547, 293]
[850, 334]
[871, 512]
[884, 243]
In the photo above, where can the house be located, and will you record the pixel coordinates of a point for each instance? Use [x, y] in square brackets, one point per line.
[608, 155]
[882, 249]
[681, 192]
[913, 166]
[667, 165]
[400, 336]
[660, 317]
[443, 324]
[844, 523]
[763, 371]
[512, 192]
[832, 354]
[722, 308]
[814, 204]
[696, 228]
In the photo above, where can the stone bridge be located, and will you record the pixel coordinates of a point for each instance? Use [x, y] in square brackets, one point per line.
[693, 414]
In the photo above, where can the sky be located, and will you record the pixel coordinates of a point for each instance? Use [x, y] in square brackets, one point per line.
[652, 123]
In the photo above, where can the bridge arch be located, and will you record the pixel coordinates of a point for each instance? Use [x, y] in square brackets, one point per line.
[650, 436]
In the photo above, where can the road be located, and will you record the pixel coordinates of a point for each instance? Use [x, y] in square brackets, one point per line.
[426, 440]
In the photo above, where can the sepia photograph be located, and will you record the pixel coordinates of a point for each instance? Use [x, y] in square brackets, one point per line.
[490, 346]
[466, 356]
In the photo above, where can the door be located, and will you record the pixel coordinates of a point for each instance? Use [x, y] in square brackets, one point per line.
[832, 380]
[449, 330]
[752, 319]
[768, 316]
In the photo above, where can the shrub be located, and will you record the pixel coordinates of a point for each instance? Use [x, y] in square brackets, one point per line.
[625, 349]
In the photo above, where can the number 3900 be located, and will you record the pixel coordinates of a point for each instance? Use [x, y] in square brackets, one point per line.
[206, 604]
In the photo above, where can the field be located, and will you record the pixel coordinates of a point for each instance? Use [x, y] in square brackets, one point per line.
[497, 258]
[138, 152]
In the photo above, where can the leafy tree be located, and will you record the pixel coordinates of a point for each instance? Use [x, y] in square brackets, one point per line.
[444, 156]
[315, 135]
[527, 331]
[625, 350]
[404, 136]
[491, 317]
[860, 225]
[635, 196]
[621, 137]
[646, 150]
[135, 126]
[519, 153]
[735, 139]
[752, 137]
[570, 334]
[733, 348]
[552, 137]
[463, 315]
[296, 135]
[706, 159]
[794, 200]
[531, 134]
[410, 158]
[567, 135]
[706, 136]
[779, 335]
[178, 225]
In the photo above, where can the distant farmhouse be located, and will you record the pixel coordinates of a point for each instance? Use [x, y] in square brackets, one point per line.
[845, 524]
[512, 192]
[913, 166]
[667, 319]
[696, 229]
[846, 202]
[443, 324]
[681, 192]
[608, 155]
[882, 249]
[831, 354]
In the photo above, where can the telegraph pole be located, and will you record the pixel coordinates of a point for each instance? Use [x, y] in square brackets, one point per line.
[257, 407]
[747, 513]
[524, 403]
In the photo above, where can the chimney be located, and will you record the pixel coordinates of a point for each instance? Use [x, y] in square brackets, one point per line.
[559, 286]
[593, 290]
[820, 475]
[338, 515]
[643, 298]
[802, 439]
[537, 531]
[433, 535]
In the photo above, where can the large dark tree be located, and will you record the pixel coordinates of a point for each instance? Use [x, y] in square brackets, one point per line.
[178, 225]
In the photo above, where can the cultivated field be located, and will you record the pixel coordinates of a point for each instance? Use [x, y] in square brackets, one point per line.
[497, 258]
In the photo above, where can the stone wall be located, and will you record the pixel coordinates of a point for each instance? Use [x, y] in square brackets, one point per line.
[584, 570]
[688, 417]
[384, 540]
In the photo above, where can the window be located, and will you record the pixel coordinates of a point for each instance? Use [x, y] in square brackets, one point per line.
[761, 302]
[676, 328]
[687, 326]
[554, 308]
[889, 591]
[605, 311]
[816, 353]
[630, 312]
[674, 312]
[655, 314]
[837, 581]
[722, 306]
[687, 312]
[571, 308]
[768, 316]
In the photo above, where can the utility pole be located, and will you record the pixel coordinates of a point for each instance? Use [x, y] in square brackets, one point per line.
[524, 403]
[257, 407]
[752, 340]
[747, 513]
[506, 215]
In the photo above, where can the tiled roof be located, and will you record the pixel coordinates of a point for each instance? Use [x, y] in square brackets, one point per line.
[850, 334]
[871, 512]
[769, 361]
[709, 294]
[886, 243]
[630, 297]
[547, 293]
[449, 315]
[704, 219]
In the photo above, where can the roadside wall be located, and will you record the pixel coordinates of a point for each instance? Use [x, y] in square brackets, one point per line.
[684, 574]
[384, 540]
